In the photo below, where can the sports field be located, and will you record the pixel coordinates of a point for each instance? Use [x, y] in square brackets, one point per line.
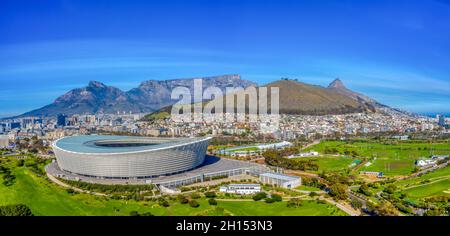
[46, 198]
[393, 157]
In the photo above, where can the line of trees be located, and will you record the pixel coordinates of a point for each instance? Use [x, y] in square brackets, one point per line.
[110, 188]
[276, 158]
[15, 210]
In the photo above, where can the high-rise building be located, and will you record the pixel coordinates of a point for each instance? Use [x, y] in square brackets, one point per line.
[61, 120]
[441, 120]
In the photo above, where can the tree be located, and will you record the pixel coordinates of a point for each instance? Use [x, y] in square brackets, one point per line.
[356, 204]
[15, 210]
[277, 198]
[134, 213]
[163, 202]
[182, 199]
[210, 194]
[259, 196]
[364, 189]
[212, 201]
[390, 189]
[294, 203]
[269, 200]
[338, 191]
[194, 203]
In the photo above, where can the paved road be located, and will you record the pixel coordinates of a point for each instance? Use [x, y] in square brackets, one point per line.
[344, 207]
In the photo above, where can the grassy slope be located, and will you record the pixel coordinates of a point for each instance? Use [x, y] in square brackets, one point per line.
[431, 184]
[45, 198]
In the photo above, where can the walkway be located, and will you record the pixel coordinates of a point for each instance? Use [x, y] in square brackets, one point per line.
[62, 184]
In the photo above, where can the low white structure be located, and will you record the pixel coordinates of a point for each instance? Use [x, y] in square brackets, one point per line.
[4, 141]
[424, 163]
[167, 190]
[372, 173]
[304, 154]
[281, 180]
[279, 145]
[241, 188]
[439, 157]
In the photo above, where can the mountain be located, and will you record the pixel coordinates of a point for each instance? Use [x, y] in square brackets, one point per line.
[338, 86]
[304, 99]
[151, 95]
[92, 99]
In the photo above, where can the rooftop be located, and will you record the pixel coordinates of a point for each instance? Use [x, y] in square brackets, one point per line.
[118, 144]
[280, 176]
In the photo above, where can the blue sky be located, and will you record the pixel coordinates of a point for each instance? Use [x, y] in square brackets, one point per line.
[397, 52]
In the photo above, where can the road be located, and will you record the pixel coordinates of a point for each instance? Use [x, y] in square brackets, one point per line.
[344, 207]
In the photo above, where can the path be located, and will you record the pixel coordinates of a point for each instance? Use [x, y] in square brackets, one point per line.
[58, 182]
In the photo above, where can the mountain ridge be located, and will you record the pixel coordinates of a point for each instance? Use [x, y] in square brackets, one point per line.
[149, 96]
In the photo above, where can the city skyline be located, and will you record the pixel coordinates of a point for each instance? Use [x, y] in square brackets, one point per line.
[397, 53]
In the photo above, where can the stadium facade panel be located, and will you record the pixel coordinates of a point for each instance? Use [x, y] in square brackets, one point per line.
[129, 157]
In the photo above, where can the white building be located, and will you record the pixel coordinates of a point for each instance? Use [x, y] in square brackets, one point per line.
[424, 163]
[241, 188]
[304, 154]
[4, 141]
[281, 180]
[279, 145]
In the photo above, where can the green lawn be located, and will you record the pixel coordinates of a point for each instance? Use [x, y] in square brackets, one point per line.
[307, 188]
[309, 208]
[431, 184]
[430, 189]
[393, 158]
[46, 198]
[432, 176]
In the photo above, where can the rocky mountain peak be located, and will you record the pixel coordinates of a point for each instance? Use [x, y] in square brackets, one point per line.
[337, 83]
[96, 84]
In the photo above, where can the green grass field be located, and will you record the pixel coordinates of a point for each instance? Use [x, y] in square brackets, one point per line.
[435, 183]
[394, 158]
[46, 198]
[438, 188]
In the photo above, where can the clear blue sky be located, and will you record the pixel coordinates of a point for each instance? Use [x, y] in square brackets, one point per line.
[397, 52]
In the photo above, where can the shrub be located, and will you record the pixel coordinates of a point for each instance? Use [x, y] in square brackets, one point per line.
[163, 202]
[210, 194]
[269, 200]
[212, 202]
[294, 202]
[259, 196]
[182, 199]
[276, 198]
[195, 196]
[193, 204]
[134, 213]
[15, 210]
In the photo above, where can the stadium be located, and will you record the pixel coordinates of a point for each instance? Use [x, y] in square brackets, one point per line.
[128, 157]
